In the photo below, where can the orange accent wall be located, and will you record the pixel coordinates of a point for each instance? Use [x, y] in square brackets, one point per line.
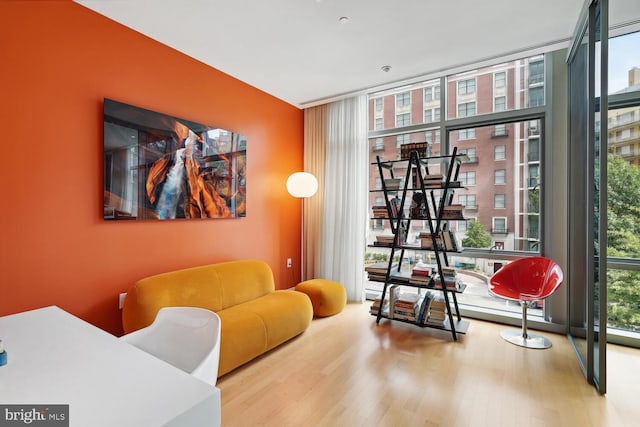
[58, 61]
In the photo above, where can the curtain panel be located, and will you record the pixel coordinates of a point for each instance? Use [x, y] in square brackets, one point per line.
[336, 151]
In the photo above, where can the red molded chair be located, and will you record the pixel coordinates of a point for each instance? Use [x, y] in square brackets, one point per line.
[526, 280]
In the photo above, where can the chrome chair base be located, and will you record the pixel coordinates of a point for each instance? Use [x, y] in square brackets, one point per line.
[514, 336]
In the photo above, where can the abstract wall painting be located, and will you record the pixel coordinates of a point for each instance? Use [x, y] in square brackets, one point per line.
[159, 167]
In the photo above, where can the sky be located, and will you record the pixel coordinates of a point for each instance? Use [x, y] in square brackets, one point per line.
[624, 54]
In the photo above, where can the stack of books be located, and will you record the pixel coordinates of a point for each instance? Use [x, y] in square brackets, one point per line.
[426, 240]
[437, 311]
[450, 278]
[405, 306]
[433, 180]
[384, 240]
[392, 184]
[421, 274]
[379, 211]
[424, 307]
[378, 272]
[376, 306]
[452, 212]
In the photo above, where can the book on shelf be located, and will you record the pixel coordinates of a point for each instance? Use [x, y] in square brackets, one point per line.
[437, 311]
[392, 184]
[376, 306]
[425, 306]
[378, 272]
[394, 204]
[400, 276]
[379, 267]
[451, 282]
[385, 238]
[433, 177]
[452, 212]
[449, 240]
[393, 289]
[405, 305]
[379, 211]
[426, 240]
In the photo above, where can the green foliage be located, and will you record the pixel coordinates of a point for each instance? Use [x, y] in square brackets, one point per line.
[623, 241]
[476, 237]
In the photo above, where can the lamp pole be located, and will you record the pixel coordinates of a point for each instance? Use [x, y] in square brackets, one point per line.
[302, 185]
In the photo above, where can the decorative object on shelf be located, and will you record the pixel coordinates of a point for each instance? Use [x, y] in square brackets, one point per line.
[430, 196]
[161, 167]
[526, 280]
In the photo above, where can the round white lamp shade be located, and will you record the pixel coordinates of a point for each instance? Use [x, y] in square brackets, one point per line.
[302, 184]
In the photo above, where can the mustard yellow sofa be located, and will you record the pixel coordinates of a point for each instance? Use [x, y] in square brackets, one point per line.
[254, 316]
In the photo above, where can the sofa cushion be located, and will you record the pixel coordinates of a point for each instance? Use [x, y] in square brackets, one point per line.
[242, 337]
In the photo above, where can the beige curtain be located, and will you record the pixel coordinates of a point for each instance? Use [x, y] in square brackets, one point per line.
[315, 130]
[335, 222]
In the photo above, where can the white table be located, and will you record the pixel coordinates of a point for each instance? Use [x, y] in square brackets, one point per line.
[56, 358]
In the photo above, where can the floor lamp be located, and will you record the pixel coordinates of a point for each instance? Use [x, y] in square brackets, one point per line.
[302, 185]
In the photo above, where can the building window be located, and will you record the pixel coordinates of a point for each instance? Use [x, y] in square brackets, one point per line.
[471, 154]
[500, 152]
[432, 137]
[432, 115]
[499, 201]
[379, 124]
[464, 134]
[500, 130]
[378, 144]
[625, 118]
[467, 87]
[403, 139]
[468, 201]
[500, 103]
[403, 99]
[500, 79]
[379, 106]
[499, 225]
[534, 175]
[623, 134]
[378, 183]
[432, 93]
[536, 96]
[536, 72]
[533, 150]
[467, 109]
[467, 178]
[500, 177]
[403, 120]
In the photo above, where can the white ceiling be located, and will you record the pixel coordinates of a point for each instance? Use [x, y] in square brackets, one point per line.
[298, 51]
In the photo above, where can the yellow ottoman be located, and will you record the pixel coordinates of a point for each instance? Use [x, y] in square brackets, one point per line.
[327, 297]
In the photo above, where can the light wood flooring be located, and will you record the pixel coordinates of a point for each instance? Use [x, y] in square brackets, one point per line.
[347, 371]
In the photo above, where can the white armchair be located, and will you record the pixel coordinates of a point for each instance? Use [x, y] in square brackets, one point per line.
[185, 337]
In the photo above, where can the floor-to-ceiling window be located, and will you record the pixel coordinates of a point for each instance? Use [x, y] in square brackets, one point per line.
[623, 171]
[495, 115]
